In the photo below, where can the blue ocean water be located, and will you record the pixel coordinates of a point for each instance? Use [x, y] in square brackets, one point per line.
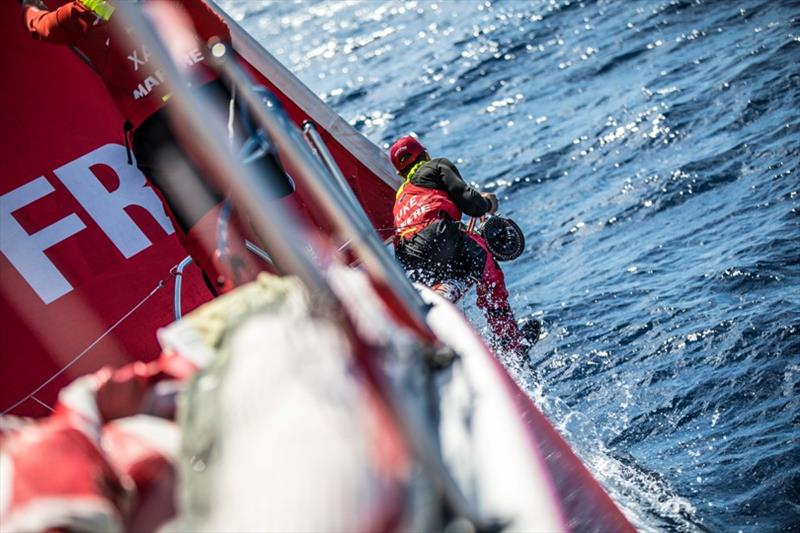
[651, 152]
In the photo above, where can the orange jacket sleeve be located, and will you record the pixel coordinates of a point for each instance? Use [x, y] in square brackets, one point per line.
[66, 25]
[70, 22]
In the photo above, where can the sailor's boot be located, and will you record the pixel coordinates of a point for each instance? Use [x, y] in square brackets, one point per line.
[504, 329]
[531, 330]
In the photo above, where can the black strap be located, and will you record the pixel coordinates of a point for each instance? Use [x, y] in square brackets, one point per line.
[127, 128]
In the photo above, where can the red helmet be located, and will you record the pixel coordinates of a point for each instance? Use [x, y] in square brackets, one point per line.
[405, 151]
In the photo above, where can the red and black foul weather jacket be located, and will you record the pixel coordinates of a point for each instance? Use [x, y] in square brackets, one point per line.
[434, 190]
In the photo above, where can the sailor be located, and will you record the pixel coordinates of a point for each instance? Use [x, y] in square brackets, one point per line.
[135, 85]
[433, 246]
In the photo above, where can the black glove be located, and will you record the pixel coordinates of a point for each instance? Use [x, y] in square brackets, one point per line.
[493, 203]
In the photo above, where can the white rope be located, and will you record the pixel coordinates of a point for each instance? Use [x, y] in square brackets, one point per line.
[231, 114]
[40, 402]
[84, 352]
[345, 245]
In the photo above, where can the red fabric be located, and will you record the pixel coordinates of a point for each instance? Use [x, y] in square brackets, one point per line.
[114, 393]
[493, 299]
[416, 207]
[57, 113]
[133, 83]
[91, 488]
[227, 264]
[55, 471]
[151, 470]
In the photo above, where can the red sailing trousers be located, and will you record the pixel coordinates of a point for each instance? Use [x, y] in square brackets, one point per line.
[448, 259]
[493, 299]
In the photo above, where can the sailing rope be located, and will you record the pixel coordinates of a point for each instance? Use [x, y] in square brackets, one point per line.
[470, 227]
[84, 352]
[40, 402]
[398, 228]
[231, 114]
[225, 212]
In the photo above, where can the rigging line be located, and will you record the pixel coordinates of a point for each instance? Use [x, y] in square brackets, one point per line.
[396, 229]
[231, 113]
[40, 402]
[345, 245]
[85, 351]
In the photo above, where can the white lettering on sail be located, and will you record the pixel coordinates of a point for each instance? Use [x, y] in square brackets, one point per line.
[195, 56]
[137, 61]
[107, 208]
[148, 84]
[157, 78]
[26, 251]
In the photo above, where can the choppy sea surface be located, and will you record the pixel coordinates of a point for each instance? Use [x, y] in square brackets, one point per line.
[651, 152]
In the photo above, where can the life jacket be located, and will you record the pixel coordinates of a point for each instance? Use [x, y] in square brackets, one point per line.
[133, 82]
[416, 207]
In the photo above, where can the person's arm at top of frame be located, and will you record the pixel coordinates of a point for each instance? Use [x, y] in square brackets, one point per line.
[56, 27]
